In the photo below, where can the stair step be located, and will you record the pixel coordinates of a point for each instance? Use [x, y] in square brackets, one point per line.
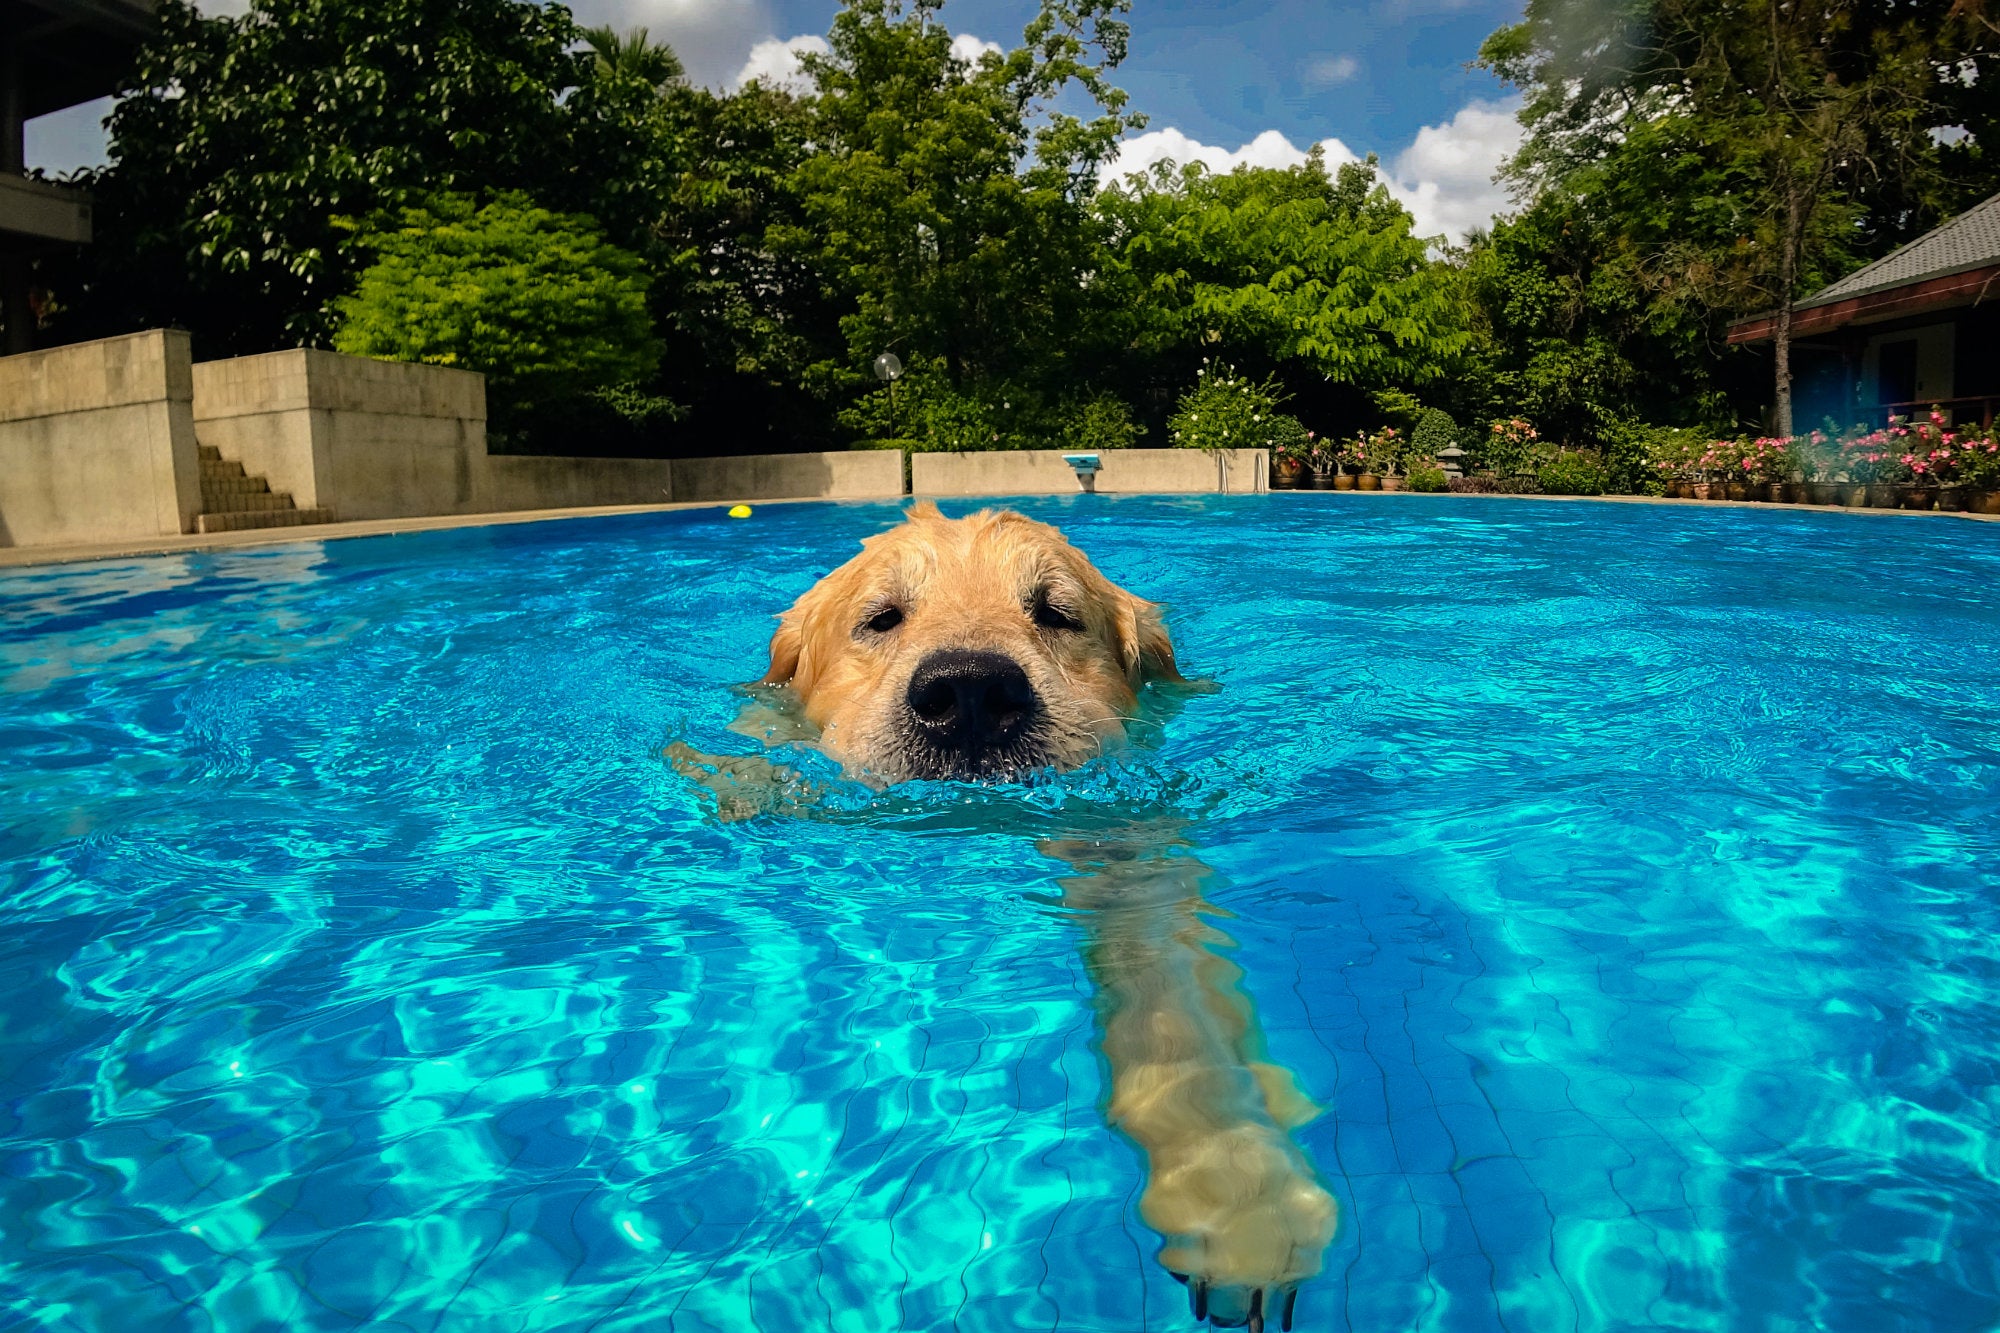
[240, 520]
[237, 502]
[234, 485]
[209, 453]
[220, 468]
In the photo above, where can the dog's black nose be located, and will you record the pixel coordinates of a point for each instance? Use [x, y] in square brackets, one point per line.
[971, 703]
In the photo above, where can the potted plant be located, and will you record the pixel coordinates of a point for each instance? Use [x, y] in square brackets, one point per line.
[1385, 454]
[1343, 459]
[1291, 464]
[1927, 456]
[1706, 469]
[1818, 458]
[1976, 464]
[1871, 460]
[1671, 459]
[1768, 462]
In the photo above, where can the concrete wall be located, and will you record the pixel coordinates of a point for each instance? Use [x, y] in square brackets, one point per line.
[383, 439]
[364, 438]
[1125, 471]
[97, 441]
[863, 474]
[535, 481]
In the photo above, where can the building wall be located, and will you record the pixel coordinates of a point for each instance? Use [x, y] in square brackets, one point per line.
[1125, 471]
[97, 441]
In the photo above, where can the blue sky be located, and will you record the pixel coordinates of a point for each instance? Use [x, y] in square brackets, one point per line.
[1223, 80]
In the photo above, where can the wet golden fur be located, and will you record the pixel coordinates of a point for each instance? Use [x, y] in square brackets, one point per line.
[973, 584]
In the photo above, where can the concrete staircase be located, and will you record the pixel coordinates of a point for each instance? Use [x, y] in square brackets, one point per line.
[232, 500]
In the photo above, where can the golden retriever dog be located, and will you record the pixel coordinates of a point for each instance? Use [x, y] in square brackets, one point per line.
[988, 647]
[981, 647]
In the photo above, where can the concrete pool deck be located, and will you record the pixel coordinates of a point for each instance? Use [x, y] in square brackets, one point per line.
[18, 557]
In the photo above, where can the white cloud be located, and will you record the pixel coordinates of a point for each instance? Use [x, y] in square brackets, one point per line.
[1326, 71]
[1269, 149]
[777, 63]
[969, 48]
[1444, 177]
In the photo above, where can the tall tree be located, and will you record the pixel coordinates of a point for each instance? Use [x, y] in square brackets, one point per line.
[1311, 274]
[1810, 108]
[239, 141]
[948, 203]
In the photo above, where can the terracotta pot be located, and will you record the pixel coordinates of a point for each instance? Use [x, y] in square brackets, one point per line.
[1287, 475]
[1919, 497]
[1854, 495]
[1343, 481]
[1951, 499]
[1779, 492]
[1368, 481]
[1736, 490]
[1884, 495]
[1983, 502]
[1683, 490]
[1699, 489]
[1822, 493]
[1392, 483]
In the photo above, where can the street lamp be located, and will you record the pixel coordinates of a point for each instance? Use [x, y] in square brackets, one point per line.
[889, 369]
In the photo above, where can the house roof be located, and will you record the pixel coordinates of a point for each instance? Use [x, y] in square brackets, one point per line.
[71, 50]
[1970, 240]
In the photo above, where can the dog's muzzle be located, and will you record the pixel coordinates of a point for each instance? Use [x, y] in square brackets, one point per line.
[972, 714]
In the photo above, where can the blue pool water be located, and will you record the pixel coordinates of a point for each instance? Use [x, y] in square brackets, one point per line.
[1620, 879]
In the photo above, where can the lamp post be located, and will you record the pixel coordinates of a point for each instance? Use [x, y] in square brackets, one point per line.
[889, 369]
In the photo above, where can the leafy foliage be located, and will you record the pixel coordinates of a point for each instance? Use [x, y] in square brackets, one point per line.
[1724, 157]
[538, 301]
[1571, 473]
[1315, 274]
[1435, 433]
[238, 141]
[947, 222]
[1225, 410]
[1425, 476]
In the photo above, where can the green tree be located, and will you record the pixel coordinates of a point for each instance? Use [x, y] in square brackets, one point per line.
[1314, 275]
[633, 55]
[237, 141]
[1806, 122]
[538, 301]
[948, 204]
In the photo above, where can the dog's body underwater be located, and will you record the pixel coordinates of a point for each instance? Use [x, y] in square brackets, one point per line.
[989, 647]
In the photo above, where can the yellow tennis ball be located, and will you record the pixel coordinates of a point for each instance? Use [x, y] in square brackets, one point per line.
[739, 511]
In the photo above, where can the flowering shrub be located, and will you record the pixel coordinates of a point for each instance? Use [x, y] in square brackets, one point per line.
[1383, 452]
[1931, 452]
[1509, 447]
[1971, 460]
[1225, 410]
[1768, 458]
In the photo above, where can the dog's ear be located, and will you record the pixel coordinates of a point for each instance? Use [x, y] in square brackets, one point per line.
[786, 645]
[1143, 645]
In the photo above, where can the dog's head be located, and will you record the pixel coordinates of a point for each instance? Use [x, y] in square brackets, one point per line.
[961, 648]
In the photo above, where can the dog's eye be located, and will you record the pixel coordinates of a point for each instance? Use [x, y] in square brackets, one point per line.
[885, 620]
[1050, 616]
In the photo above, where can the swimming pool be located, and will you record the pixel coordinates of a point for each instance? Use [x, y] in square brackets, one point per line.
[1620, 879]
